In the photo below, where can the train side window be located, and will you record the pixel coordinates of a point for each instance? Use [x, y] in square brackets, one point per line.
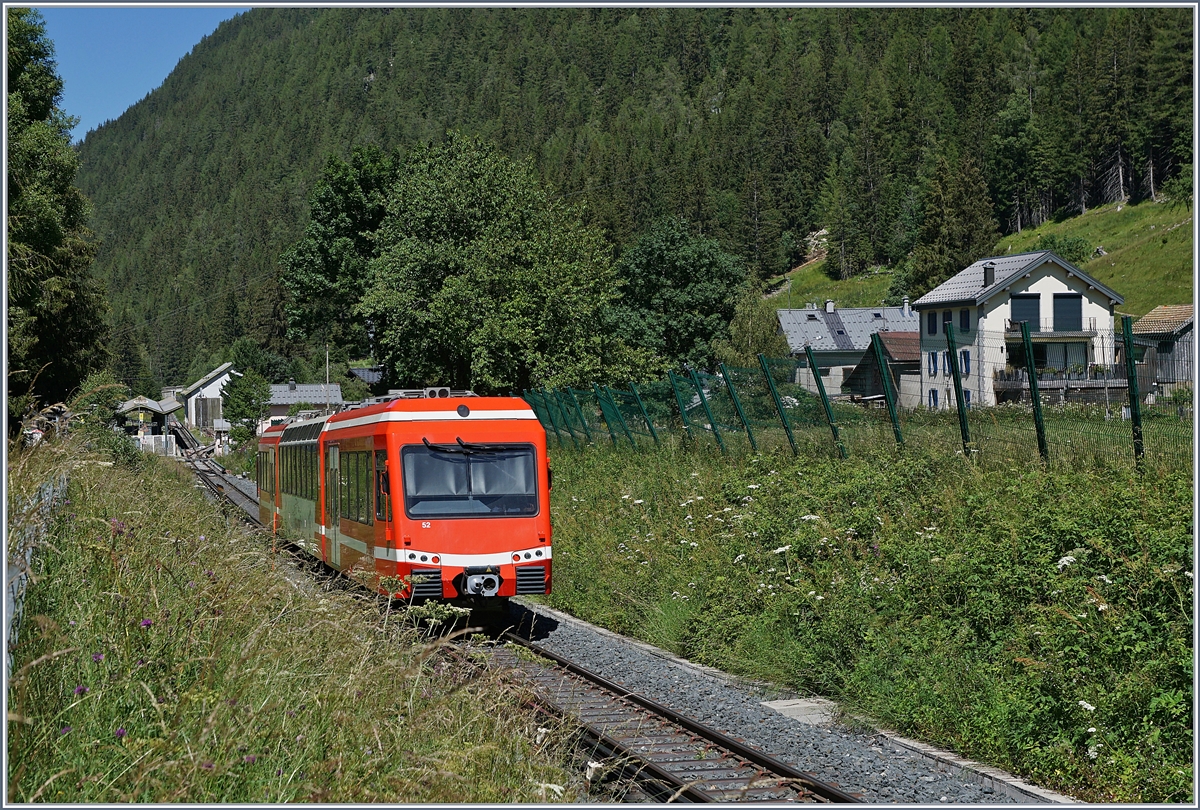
[383, 500]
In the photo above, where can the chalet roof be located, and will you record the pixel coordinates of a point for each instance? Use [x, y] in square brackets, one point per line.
[312, 393]
[966, 287]
[140, 403]
[368, 375]
[209, 377]
[848, 329]
[903, 347]
[1167, 319]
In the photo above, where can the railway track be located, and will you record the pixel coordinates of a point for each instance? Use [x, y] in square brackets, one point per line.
[673, 757]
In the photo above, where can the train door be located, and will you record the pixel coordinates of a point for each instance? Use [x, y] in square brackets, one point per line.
[333, 487]
[383, 502]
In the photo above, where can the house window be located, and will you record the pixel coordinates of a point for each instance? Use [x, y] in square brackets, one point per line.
[932, 323]
[933, 398]
[933, 364]
[1068, 312]
[1027, 308]
[947, 319]
[964, 361]
[964, 320]
[812, 317]
[946, 362]
[967, 398]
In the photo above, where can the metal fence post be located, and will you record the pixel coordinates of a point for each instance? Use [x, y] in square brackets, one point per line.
[687, 425]
[816, 372]
[959, 399]
[1135, 404]
[565, 413]
[607, 422]
[579, 410]
[737, 405]
[1034, 396]
[553, 421]
[620, 416]
[889, 395]
[712, 422]
[534, 392]
[645, 413]
[762, 361]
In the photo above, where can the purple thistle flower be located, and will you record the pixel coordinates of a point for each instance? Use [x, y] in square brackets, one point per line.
[249, 758]
[279, 771]
[81, 690]
[72, 622]
[98, 657]
[201, 538]
[65, 730]
[146, 622]
[121, 732]
[208, 766]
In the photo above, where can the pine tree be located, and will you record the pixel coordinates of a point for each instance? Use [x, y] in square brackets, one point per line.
[958, 228]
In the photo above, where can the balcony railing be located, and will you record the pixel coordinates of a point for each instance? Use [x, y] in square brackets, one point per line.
[1096, 373]
[1086, 327]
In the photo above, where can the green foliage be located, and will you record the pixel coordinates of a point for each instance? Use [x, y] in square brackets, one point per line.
[1037, 620]
[1074, 249]
[244, 400]
[247, 355]
[56, 311]
[678, 294]
[958, 230]
[484, 282]
[732, 119]
[754, 330]
[155, 666]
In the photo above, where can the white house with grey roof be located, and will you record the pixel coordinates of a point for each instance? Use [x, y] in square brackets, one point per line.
[1070, 317]
[202, 399]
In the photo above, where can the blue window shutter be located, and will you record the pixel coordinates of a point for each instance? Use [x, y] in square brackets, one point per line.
[933, 398]
[967, 397]
[933, 364]
[965, 358]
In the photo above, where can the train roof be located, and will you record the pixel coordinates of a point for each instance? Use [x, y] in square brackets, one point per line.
[434, 410]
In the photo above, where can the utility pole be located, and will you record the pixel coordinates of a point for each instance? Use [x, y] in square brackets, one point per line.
[325, 389]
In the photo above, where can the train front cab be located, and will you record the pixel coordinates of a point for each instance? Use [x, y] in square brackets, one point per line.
[450, 496]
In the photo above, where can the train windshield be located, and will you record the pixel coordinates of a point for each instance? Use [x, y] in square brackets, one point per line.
[469, 480]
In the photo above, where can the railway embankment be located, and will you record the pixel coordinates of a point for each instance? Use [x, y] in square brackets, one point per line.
[165, 657]
[1038, 621]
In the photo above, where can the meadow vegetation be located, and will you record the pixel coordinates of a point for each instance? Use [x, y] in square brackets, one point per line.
[168, 655]
[1036, 619]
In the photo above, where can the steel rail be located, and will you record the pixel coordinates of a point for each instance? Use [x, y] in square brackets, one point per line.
[823, 790]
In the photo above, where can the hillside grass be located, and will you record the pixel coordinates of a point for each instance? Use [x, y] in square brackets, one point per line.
[1036, 619]
[169, 656]
[1149, 249]
[1149, 260]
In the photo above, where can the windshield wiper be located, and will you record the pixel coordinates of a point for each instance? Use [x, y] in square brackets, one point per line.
[444, 448]
[464, 448]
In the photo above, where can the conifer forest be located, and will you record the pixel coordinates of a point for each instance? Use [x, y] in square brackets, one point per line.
[278, 149]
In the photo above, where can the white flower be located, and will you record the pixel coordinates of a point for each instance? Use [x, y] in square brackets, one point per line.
[694, 545]
[691, 584]
[1087, 705]
[727, 509]
[819, 598]
[810, 517]
[931, 528]
[753, 486]
[699, 497]
[739, 558]
[781, 549]
[1064, 562]
[812, 593]
[1092, 730]
[695, 475]
[639, 501]
[1104, 579]
[623, 497]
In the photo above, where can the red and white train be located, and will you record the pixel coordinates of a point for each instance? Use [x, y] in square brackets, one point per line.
[444, 492]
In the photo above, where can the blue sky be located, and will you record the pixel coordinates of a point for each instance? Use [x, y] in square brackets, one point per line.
[110, 58]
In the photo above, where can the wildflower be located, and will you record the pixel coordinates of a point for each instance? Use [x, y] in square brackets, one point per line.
[1087, 705]
[141, 662]
[1104, 579]
[146, 622]
[81, 690]
[72, 623]
[208, 766]
[810, 517]
[820, 598]
[120, 732]
[1092, 730]
[624, 497]
[753, 486]
[250, 758]
[781, 549]
[1064, 562]
[279, 771]
[65, 730]
[695, 475]
[812, 593]
[98, 657]
[739, 558]
[202, 540]
[639, 500]
[691, 584]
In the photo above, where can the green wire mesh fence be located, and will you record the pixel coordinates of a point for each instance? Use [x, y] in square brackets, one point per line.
[1016, 407]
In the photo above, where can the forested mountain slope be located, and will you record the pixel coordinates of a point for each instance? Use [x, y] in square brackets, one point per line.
[757, 125]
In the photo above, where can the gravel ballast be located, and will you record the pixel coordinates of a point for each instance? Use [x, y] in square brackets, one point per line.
[877, 766]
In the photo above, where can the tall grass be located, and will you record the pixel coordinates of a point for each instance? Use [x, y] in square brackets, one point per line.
[169, 656]
[1037, 619]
